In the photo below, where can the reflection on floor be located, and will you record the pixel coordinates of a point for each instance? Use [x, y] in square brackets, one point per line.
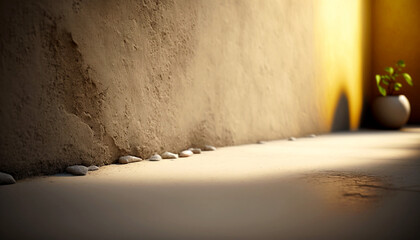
[349, 191]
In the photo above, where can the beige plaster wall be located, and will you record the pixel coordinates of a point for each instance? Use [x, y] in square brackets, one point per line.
[83, 82]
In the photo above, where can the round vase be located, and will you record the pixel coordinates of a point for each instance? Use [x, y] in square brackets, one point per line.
[391, 111]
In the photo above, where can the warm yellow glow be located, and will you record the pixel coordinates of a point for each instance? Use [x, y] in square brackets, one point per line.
[338, 39]
[396, 35]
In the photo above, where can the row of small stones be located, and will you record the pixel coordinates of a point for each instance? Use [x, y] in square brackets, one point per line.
[80, 170]
[166, 155]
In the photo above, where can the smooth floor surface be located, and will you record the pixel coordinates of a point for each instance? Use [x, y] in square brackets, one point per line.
[355, 185]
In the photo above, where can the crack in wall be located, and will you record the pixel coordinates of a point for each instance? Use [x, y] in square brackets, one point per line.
[81, 94]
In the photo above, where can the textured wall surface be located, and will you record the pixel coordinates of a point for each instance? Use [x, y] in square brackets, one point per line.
[83, 82]
[395, 36]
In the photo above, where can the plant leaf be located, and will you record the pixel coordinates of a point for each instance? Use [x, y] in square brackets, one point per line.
[378, 79]
[385, 82]
[389, 70]
[408, 79]
[382, 90]
[397, 86]
[401, 63]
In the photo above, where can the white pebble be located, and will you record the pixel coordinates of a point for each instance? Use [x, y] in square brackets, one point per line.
[260, 142]
[209, 148]
[93, 168]
[155, 157]
[6, 179]
[169, 155]
[128, 159]
[78, 170]
[291, 139]
[312, 135]
[195, 150]
[186, 153]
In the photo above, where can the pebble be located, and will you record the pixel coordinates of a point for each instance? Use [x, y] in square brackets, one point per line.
[78, 170]
[6, 179]
[186, 153]
[93, 168]
[312, 135]
[128, 159]
[209, 148]
[291, 139]
[169, 155]
[195, 150]
[155, 157]
[260, 142]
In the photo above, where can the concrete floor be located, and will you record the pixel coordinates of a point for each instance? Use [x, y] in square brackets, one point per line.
[357, 185]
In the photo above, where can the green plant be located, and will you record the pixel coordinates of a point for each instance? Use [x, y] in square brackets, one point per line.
[389, 83]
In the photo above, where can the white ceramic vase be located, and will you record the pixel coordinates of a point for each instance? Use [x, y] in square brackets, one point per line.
[391, 111]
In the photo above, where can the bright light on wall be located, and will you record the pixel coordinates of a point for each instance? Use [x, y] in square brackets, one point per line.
[338, 39]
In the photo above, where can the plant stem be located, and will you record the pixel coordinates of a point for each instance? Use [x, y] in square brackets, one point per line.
[391, 86]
